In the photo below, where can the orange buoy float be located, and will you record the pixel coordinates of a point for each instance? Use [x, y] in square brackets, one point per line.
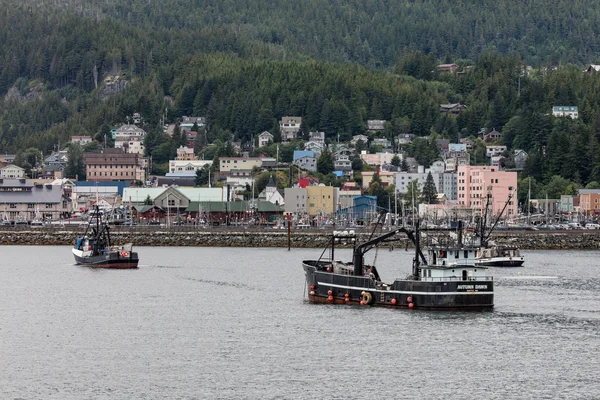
[411, 305]
[312, 287]
[347, 300]
[330, 292]
[362, 303]
[312, 293]
[409, 299]
[394, 302]
[330, 298]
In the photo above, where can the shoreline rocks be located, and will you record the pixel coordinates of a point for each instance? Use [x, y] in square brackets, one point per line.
[526, 240]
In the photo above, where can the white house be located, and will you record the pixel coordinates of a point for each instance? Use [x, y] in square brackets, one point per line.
[357, 138]
[82, 140]
[186, 167]
[272, 194]
[491, 151]
[130, 138]
[289, 128]
[318, 137]
[565, 111]
[12, 171]
[265, 138]
[315, 147]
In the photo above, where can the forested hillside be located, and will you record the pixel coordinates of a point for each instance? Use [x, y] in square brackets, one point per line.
[244, 65]
[375, 32]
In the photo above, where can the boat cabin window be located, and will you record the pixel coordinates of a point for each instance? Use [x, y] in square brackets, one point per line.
[429, 273]
[466, 253]
[456, 254]
[464, 274]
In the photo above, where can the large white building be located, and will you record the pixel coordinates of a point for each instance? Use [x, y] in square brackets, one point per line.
[186, 167]
[445, 182]
[12, 171]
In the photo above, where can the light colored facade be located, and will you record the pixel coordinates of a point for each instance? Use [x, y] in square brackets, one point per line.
[187, 166]
[475, 182]
[187, 123]
[445, 182]
[566, 111]
[321, 200]
[185, 153]
[23, 201]
[589, 200]
[227, 164]
[359, 138]
[295, 200]
[130, 138]
[12, 172]
[289, 128]
[315, 147]
[387, 178]
[81, 140]
[492, 151]
[383, 142]
[308, 163]
[375, 124]
[312, 200]
[317, 137]
[405, 138]
[265, 138]
[137, 196]
[342, 162]
[379, 159]
[114, 165]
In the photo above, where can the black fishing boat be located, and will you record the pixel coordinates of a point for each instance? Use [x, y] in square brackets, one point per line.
[491, 254]
[447, 280]
[94, 249]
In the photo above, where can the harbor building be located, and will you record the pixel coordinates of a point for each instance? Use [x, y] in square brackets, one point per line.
[475, 182]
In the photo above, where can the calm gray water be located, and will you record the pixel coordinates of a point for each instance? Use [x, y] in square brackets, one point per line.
[232, 323]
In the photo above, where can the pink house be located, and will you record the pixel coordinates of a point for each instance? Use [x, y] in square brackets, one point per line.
[475, 182]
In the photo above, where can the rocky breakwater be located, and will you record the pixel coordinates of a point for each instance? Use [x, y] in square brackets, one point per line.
[237, 237]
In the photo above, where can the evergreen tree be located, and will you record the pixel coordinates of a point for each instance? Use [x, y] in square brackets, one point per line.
[325, 162]
[429, 195]
[202, 176]
[75, 168]
[404, 165]
[396, 160]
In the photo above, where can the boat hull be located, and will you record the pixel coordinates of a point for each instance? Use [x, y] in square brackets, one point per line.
[111, 260]
[500, 261]
[331, 288]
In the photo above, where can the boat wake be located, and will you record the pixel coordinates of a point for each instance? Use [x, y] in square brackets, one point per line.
[526, 277]
[221, 283]
[556, 320]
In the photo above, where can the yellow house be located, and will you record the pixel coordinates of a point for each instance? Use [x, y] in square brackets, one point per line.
[321, 200]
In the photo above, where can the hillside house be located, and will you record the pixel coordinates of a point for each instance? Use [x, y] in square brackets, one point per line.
[566, 111]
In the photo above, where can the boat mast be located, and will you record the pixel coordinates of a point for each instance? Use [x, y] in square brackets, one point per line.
[529, 203]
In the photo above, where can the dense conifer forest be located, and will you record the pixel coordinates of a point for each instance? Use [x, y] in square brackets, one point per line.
[245, 64]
